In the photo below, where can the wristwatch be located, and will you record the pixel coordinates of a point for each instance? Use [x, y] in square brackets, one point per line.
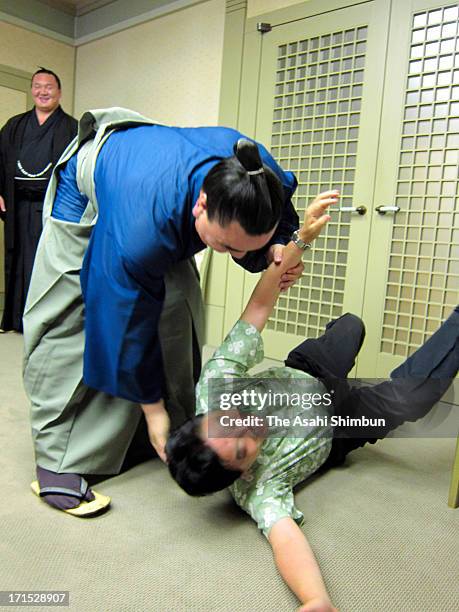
[301, 244]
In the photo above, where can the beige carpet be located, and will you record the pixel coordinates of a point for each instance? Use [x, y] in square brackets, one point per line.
[381, 528]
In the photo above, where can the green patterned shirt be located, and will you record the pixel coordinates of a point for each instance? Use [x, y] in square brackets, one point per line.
[265, 490]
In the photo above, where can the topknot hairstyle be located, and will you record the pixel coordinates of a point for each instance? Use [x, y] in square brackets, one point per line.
[243, 189]
[42, 70]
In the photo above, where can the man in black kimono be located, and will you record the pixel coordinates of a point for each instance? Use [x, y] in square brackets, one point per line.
[30, 145]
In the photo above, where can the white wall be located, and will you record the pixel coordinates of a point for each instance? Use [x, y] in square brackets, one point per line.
[168, 68]
[26, 50]
[258, 7]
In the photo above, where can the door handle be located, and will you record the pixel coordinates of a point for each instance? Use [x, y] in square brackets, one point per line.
[358, 209]
[382, 210]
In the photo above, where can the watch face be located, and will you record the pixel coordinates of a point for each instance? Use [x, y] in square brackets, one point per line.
[299, 242]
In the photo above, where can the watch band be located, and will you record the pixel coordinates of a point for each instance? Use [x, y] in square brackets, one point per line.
[301, 244]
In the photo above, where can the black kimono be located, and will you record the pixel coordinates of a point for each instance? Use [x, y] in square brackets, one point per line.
[28, 153]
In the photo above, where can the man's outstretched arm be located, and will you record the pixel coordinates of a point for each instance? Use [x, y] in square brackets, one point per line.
[266, 292]
[292, 554]
[298, 566]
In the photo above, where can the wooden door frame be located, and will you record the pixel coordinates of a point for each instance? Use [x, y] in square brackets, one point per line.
[16, 79]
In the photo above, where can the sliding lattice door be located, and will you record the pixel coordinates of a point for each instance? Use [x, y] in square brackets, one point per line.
[319, 80]
[415, 284]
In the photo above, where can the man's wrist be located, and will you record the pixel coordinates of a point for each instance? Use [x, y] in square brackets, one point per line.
[300, 239]
[150, 410]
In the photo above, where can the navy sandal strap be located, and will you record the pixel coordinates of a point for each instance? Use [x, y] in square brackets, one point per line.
[60, 491]
[64, 491]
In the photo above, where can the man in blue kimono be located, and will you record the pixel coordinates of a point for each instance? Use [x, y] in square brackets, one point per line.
[129, 204]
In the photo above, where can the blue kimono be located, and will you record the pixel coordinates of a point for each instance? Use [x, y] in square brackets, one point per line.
[147, 180]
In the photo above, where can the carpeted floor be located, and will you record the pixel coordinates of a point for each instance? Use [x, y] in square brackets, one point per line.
[381, 528]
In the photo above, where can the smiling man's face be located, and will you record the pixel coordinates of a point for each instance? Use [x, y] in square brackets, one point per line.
[45, 92]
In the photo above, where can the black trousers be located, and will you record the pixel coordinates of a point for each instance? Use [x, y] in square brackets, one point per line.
[413, 389]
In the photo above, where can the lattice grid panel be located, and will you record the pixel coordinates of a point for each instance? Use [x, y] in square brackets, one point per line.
[315, 128]
[423, 277]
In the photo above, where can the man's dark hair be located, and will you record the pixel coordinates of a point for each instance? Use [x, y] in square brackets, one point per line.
[243, 189]
[42, 70]
[195, 466]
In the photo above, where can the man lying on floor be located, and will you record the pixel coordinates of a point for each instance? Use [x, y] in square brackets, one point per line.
[261, 471]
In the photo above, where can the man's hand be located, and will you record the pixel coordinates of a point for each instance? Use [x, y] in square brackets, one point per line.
[158, 425]
[2, 205]
[315, 218]
[318, 605]
[292, 275]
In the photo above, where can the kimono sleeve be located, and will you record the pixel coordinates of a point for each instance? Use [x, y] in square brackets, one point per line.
[69, 203]
[122, 350]
[2, 169]
[266, 502]
[122, 355]
[241, 350]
